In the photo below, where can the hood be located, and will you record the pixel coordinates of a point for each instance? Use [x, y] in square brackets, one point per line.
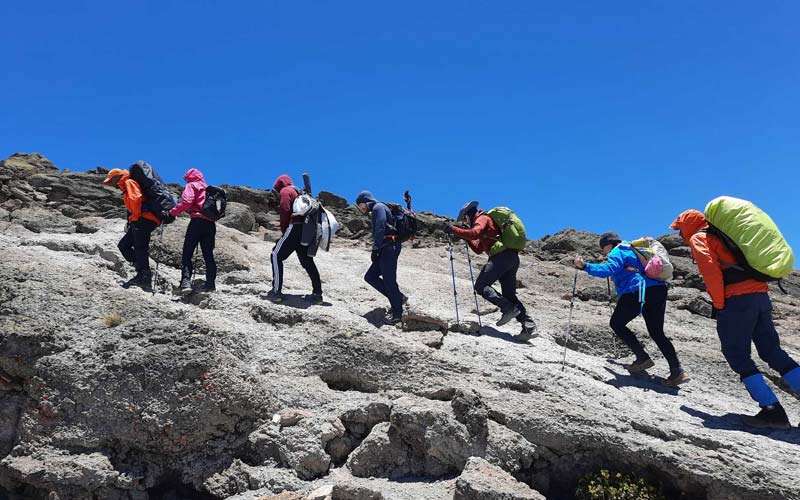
[281, 182]
[194, 175]
[689, 223]
[365, 197]
[120, 174]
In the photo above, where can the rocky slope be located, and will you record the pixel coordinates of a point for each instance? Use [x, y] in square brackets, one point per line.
[119, 394]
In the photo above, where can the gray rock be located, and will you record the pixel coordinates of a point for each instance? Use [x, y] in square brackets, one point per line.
[481, 480]
[240, 478]
[4, 215]
[698, 305]
[330, 200]
[40, 220]
[239, 217]
[28, 163]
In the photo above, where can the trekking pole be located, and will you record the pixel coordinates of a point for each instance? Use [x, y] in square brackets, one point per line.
[160, 249]
[569, 322]
[474, 292]
[453, 274]
[611, 311]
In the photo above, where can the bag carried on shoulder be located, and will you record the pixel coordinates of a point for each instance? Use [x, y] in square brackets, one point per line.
[215, 203]
[654, 258]
[405, 222]
[752, 237]
[512, 230]
[157, 198]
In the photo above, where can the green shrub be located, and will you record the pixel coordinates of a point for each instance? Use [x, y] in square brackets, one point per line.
[605, 485]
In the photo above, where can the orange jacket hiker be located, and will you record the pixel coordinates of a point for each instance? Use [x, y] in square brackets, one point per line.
[131, 195]
[712, 258]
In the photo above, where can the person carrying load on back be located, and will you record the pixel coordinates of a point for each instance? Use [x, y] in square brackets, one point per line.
[386, 247]
[135, 245]
[741, 303]
[290, 241]
[502, 245]
[202, 230]
[637, 294]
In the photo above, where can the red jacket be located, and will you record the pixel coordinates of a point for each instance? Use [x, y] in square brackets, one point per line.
[481, 236]
[287, 193]
[712, 258]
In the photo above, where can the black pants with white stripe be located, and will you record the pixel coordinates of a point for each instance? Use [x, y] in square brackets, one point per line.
[290, 242]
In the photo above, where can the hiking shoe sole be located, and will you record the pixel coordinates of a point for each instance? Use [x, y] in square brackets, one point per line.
[507, 316]
[757, 423]
[640, 367]
[675, 382]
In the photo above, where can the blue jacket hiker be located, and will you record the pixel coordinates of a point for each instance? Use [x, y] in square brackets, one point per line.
[382, 274]
[637, 294]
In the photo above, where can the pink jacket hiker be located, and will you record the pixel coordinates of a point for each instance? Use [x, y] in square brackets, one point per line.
[193, 196]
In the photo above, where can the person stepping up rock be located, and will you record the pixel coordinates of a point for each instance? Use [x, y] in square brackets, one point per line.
[500, 234]
[637, 294]
[740, 299]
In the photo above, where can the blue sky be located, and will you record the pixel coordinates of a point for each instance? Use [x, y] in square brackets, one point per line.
[594, 115]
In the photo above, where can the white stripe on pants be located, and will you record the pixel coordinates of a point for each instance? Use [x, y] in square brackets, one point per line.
[277, 279]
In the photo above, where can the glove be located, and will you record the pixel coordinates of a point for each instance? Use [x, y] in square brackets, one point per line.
[448, 229]
[375, 255]
[166, 218]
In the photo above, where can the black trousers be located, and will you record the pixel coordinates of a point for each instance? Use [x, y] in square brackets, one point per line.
[655, 307]
[204, 233]
[502, 267]
[135, 245]
[290, 242]
[382, 276]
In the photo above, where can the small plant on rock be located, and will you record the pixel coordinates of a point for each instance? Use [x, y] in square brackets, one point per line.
[606, 485]
[112, 319]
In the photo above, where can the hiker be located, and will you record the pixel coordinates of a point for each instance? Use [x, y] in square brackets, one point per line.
[135, 245]
[292, 229]
[636, 294]
[202, 231]
[743, 311]
[386, 247]
[484, 236]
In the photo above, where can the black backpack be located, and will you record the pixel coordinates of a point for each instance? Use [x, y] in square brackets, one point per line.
[405, 222]
[216, 201]
[157, 198]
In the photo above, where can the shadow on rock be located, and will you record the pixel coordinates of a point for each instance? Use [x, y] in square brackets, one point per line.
[641, 380]
[733, 422]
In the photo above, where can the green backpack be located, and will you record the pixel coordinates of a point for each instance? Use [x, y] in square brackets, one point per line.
[752, 236]
[512, 230]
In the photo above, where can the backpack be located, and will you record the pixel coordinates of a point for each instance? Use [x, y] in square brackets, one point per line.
[215, 203]
[157, 198]
[760, 249]
[405, 222]
[326, 229]
[654, 258]
[512, 230]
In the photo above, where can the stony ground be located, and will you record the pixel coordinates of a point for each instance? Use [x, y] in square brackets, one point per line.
[121, 394]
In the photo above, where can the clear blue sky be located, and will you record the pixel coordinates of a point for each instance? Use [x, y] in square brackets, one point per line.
[595, 115]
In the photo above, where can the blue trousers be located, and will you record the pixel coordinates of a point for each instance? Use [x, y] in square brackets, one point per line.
[382, 276]
[746, 319]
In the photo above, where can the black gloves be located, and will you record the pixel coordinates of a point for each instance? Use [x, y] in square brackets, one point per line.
[375, 255]
[448, 229]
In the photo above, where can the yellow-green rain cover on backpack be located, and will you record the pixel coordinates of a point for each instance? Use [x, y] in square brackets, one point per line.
[754, 232]
[512, 230]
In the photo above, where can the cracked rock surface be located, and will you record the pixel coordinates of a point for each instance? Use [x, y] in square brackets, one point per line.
[227, 395]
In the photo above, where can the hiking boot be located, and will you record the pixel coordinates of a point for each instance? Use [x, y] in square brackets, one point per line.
[677, 379]
[208, 287]
[391, 319]
[142, 281]
[272, 296]
[639, 366]
[508, 315]
[185, 287]
[770, 417]
[314, 298]
[526, 334]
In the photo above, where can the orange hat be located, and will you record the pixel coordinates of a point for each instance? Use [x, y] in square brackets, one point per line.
[114, 173]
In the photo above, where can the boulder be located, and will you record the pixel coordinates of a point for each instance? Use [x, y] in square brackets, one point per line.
[330, 200]
[28, 163]
[239, 216]
[481, 480]
[230, 253]
[40, 220]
